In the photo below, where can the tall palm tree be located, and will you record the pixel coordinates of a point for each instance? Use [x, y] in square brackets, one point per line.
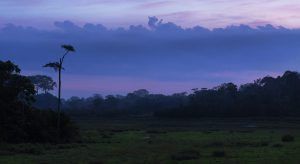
[58, 66]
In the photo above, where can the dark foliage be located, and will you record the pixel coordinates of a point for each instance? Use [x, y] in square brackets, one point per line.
[45, 101]
[68, 48]
[267, 97]
[19, 122]
[139, 103]
[45, 83]
[277, 145]
[218, 153]
[287, 138]
[186, 155]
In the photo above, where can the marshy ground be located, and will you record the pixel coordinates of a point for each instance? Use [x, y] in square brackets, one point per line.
[149, 140]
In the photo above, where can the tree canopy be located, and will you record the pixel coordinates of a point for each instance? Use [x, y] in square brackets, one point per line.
[45, 83]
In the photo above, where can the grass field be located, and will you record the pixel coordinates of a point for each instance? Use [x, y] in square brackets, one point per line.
[148, 140]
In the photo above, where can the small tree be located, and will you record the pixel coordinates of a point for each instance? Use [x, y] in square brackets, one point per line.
[45, 83]
[58, 66]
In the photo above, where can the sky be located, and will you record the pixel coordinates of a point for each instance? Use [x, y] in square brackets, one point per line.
[187, 13]
[159, 45]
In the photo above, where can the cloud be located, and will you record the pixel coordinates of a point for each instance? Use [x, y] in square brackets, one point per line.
[157, 57]
[211, 13]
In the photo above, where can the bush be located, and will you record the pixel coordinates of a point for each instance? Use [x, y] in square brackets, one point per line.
[30, 149]
[216, 144]
[156, 132]
[186, 155]
[44, 128]
[96, 162]
[37, 126]
[218, 153]
[264, 143]
[287, 138]
[277, 145]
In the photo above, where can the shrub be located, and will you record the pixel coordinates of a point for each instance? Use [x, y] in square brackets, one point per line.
[37, 126]
[32, 149]
[264, 143]
[43, 127]
[218, 153]
[277, 145]
[287, 138]
[96, 162]
[216, 144]
[156, 132]
[252, 144]
[186, 155]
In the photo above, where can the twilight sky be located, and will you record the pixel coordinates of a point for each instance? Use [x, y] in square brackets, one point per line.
[115, 13]
[199, 43]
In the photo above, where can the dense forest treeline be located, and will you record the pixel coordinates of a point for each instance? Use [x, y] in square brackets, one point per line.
[268, 96]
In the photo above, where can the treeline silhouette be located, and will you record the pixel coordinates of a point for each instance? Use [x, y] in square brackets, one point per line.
[19, 121]
[266, 97]
[139, 102]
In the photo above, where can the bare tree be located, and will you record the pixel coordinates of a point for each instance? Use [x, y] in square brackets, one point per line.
[58, 67]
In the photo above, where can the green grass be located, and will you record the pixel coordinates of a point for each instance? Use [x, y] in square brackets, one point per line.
[167, 141]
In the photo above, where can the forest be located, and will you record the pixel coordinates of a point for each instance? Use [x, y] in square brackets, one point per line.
[265, 97]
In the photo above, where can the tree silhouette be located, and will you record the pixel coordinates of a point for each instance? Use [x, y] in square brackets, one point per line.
[58, 66]
[45, 83]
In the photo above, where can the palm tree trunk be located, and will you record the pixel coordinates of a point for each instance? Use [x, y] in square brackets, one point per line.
[59, 97]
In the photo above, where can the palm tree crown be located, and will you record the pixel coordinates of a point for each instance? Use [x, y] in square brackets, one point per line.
[68, 47]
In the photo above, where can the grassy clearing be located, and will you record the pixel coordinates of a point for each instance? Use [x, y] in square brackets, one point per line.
[152, 141]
